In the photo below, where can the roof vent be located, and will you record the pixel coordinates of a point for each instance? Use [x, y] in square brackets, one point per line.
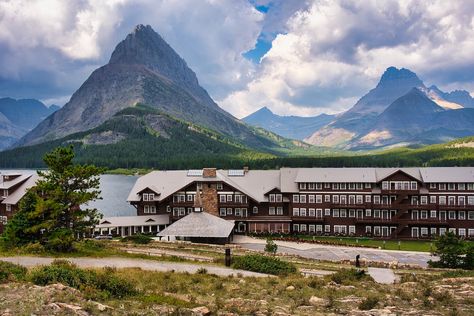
[195, 173]
[236, 173]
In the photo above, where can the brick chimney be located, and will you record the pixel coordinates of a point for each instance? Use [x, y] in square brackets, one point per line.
[209, 173]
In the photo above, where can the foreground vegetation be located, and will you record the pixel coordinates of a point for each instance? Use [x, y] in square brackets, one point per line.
[137, 292]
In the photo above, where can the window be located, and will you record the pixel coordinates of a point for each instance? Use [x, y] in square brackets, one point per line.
[319, 186]
[367, 199]
[335, 212]
[461, 200]
[414, 185]
[452, 230]
[451, 186]
[451, 200]
[219, 186]
[296, 227]
[376, 230]
[4, 220]
[343, 213]
[368, 229]
[433, 214]
[359, 186]
[452, 214]
[303, 186]
[424, 214]
[311, 198]
[342, 199]
[442, 200]
[376, 199]
[352, 230]
[470, 232]
[271, 210]
[470, 200]
[368, 185]
[5, 192]
[189, 198]
[433, 231]
[168, 208]
[442, 231]
[8, 207]
[182, 211]
[145, 196]
[229, 211]
[312, 212]
[302, 212]
[470, 186]
[319, 229]
[238, 199]
[351, 213]
[461, 186]
[302, 198]
[279, 210]
[255, 210]
[327, 185]
[359, 199]
[335, 199]
[146, 209]
[470, 215]
[296, 212]
[424, 231]
[432, 185]
[424, 200]
[384, 185]
[272, 198]
[462, 232]
[229, 197]
[296, 198]
[327, 198]
[342, 186]
[327, 228]
[432, 199]
[222, 211]
[335, 186]
[462, 215]
[319, 199]
[311, 228]
[279, 198]
[222, 198]
[442, 186]
[310, 186]
[368, 212]
[377, 213]
[238, 212]
[327, 212]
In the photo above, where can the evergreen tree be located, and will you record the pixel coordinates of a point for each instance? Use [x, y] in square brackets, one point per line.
[54, 212]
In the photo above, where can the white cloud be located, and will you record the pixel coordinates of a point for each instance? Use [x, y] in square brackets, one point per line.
[335, 51]
[57, 37]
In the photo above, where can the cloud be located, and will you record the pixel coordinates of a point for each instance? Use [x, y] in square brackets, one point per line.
[49, 47]
[334, 51]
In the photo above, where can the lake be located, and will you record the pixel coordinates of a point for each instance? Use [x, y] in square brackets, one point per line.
[115, 190]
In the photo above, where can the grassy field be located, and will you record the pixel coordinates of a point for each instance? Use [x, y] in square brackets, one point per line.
[407, 245]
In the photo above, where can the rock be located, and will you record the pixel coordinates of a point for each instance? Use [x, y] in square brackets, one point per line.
[102, 307]
[290, 288]
[201, 311]
[241, 281]
[318, 301]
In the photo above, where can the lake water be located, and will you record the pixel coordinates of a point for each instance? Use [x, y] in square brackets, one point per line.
[115, 190]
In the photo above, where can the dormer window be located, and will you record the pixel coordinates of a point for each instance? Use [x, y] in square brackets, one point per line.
[255, 210]
[219, 186]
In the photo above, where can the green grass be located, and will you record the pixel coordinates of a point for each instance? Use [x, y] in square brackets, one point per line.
[407, 245]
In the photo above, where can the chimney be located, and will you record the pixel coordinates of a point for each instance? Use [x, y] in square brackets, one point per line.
[209, 173]
[246, 169]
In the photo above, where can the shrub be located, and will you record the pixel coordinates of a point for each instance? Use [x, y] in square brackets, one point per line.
[34, 248]
[137, 239]
[271, 247]
[263, 264]
[201, 271]
[11, 272]
[347, 276]
[61, 241]
[94, 284]
[368, 303]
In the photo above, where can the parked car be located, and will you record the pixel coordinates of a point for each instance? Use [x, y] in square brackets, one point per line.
[99, 237]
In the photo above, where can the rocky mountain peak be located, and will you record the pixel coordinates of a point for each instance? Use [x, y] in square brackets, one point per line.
[393, 75]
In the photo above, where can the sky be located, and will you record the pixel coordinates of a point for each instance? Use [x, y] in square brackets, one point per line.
[296, 57]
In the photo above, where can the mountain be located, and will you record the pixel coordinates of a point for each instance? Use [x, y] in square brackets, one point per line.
[17, 117]
[143, 68]
[294, 127]
[460, 97]
[141, 136]
[400, 110]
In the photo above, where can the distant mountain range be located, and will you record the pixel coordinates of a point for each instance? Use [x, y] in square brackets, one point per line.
[17, 117]
[399, 111]
[294, 127]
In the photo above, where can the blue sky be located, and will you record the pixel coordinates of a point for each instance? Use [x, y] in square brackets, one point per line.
[300, 57]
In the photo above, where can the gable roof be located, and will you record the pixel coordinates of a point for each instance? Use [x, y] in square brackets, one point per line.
[199, 224]
[336, 175]
[447, 174]
[383, 173]
[15, 196]
[119, 221]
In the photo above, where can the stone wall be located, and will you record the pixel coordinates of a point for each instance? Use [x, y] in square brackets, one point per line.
[209, 199]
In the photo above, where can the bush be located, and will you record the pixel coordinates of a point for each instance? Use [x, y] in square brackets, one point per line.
[11, 272]
[201, 271]
[61, 241]
[347, 276]
[271, 247]
[369, 303]
[137, 239]
[95, 284]
[453, 252]
[34, 248]
[263, 264]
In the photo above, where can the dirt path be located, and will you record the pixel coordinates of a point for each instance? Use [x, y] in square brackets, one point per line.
[144, 264]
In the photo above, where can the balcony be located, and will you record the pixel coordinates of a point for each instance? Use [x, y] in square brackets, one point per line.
[315, 219]
[424, 221]
[375, 220]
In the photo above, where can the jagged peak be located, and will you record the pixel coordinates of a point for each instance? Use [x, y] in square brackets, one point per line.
[393, 73]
